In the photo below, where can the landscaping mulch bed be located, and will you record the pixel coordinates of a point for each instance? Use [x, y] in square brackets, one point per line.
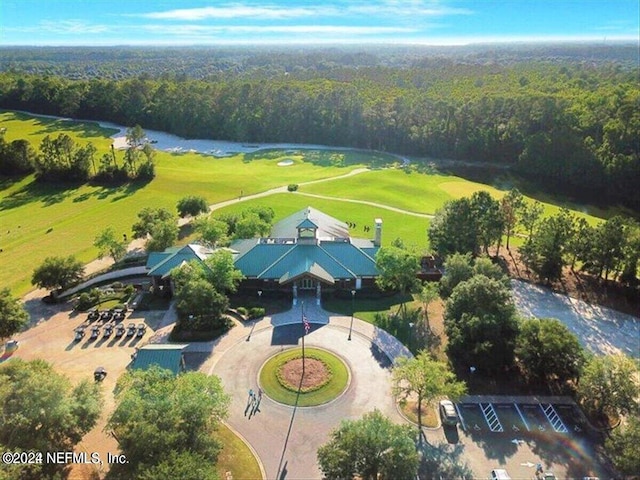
[316, 374]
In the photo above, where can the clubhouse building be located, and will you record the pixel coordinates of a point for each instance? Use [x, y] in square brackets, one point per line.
[306, 253]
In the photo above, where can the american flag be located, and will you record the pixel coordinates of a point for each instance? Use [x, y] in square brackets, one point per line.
[307, 325]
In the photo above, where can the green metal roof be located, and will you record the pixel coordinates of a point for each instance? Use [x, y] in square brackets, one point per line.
[167, 356]
[353, 258]
[306, 223]
[160, 264]
[302, 258]
[260, 257]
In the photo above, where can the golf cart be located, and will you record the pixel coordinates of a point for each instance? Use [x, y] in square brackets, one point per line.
[99, 374]
[79, 334]
[120, 330]
[141, 329]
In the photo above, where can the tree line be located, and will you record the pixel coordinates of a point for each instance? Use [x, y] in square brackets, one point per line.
[570, 127]
[62, 159]
[474, 224]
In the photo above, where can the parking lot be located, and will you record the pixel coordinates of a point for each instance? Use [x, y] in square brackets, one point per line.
[516, 433]
[53, 337]
[521, 418]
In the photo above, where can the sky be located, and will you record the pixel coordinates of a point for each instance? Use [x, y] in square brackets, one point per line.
[247, 22]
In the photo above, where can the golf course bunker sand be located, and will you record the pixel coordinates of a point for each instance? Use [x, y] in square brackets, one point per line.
[285, 163]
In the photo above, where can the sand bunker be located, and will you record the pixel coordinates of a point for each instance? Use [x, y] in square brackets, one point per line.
[285, 163]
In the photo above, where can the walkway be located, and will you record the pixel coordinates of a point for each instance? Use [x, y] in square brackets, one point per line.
[113, 275]
[364, 202]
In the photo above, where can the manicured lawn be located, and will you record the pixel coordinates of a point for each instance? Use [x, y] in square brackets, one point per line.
[272, 387]
[424, 193]
[236, 457]
[415, 192]
[366, 308]
[412, 230]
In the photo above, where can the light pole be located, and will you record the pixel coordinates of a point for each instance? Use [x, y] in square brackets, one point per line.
[353, 296]
[411, 325]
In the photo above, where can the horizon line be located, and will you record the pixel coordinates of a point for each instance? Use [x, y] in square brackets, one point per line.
[344, 42]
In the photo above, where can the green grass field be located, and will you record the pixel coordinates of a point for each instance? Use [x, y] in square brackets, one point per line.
[395, 225]
[421, 192]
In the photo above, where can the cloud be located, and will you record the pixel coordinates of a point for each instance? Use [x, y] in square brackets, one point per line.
[240, 11]
[180, 30]
[401, 8]
[380, 8]
[70, 27]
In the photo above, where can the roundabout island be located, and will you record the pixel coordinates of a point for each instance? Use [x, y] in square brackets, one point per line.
[316, 379]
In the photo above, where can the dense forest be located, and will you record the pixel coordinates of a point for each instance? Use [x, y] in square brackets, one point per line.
[565, 117]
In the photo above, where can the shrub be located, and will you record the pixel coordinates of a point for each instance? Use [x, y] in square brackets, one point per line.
[256, 312]
[85, 302]
[242, 311]
[292, 187]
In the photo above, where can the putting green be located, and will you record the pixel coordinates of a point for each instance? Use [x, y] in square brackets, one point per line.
[330, 387]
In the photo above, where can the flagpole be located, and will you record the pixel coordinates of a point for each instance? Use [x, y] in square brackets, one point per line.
[304, 334]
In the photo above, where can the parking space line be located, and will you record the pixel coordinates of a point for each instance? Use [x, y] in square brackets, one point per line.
[522, 417]
[491, 417]
[553, 417]
[464, 426]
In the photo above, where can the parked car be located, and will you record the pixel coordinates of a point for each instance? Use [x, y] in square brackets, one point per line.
[118, 315]
[499, 474]
[106, 315]
[448, 413]
[93, 315]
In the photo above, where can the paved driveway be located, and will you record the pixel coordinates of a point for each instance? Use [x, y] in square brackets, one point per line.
[601, 330]
[286, 438]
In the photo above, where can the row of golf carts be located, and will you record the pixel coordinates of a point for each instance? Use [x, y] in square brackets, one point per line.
[111, 325]
[132, 330]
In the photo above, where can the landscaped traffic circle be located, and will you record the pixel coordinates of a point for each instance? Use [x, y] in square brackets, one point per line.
[325, 377]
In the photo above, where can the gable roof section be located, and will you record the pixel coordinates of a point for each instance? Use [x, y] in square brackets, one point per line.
[163, 355]
[352, 258]
[261, 257]
[305, 259]
[161, 264]
[328, 227]
[313, 270]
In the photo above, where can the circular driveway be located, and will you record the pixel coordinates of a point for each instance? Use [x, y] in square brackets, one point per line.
[287, 438]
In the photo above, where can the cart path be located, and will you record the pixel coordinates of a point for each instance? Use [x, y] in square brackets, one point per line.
[365, 202]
